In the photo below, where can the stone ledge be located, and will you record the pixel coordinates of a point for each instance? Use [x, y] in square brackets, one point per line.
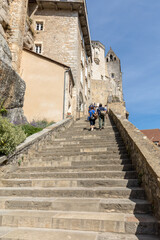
[36, 139]
[145, 157]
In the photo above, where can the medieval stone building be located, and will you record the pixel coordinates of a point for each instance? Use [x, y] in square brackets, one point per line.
[106, 75]
[58, 31]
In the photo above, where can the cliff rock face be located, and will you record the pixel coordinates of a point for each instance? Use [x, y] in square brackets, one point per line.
[12, 87]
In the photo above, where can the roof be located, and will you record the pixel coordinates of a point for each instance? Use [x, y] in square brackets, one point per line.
[112, 52]
[152, 134]
[51, 60]
[72, 5]
[99, 43]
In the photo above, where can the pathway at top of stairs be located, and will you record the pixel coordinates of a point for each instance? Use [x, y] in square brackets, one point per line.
[81, 186]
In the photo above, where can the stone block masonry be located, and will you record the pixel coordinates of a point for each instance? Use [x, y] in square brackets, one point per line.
[145, 158]
[18, 14]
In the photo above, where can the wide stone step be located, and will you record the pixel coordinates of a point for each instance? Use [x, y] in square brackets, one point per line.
[11, 233]
[102, 222]
[113, 236]
[87, 174]
[86, 139]
[86, 157]
[78, 146]
[97, 192]
[127, 167]
[83, 152]
[45, 183]
[83, 142]
[21, 233]
[52, 163]
[109, 205]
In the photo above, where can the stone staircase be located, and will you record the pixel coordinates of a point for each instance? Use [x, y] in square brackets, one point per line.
[81, 186]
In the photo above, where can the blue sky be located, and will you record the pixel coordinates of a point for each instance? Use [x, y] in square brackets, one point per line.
[132, 29]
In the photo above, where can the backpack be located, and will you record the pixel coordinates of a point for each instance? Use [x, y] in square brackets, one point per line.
[102, 113]
[93, 116]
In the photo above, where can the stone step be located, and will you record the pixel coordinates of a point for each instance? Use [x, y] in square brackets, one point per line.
[11, 233]
[83, 152]
[82, 221]
[84, 145]
[109, 205]
[80, 157]
[126, 167]
[21, 233]
[87, 174]
[45, 183]
[53, 163]
[78, 192]
[113, 236]
[86, 139]
[84, 149]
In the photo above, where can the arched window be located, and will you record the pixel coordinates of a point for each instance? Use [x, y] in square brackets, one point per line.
[107, 59]
[115, 58]
[111, 57]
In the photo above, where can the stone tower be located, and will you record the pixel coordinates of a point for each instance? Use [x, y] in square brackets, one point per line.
[113, 66]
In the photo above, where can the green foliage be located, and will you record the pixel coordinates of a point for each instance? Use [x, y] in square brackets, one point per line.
[29, 129]
[10, 136]
[3, 110]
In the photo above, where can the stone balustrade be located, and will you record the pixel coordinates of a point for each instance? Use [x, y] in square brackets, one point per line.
[32, 145]
[145, 157]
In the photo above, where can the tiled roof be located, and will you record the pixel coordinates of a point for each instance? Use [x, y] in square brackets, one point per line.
[152, 134]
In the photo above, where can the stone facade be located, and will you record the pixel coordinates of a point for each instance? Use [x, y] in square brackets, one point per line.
[106, 75]
[65, 42]
[114, 71]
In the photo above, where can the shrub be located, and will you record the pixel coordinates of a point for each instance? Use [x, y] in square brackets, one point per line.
[41, 123]
[29, 129]
[10, 136]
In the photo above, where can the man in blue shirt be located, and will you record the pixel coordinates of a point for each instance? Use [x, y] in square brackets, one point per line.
[101, 114]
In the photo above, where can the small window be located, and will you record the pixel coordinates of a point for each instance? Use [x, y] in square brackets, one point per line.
[111, 57]
[115, 59]
[39, 26]
[38, 48]
[107, 59]
[112, 75]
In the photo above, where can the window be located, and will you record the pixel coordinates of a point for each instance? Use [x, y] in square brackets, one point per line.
[112, 75]
[39, 26]
[38, 48]
[86, 72]
[111, 57]
[115, 59]
[81, 77]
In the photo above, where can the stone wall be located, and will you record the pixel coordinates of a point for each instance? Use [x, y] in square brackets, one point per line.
[32, 144]
[12, 87]
[145, 157]
[28, 40]
[99, 91]
[18, 16]
[98, 64]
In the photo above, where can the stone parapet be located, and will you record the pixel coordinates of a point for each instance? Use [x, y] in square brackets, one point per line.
[32, 145]
[145, 157]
